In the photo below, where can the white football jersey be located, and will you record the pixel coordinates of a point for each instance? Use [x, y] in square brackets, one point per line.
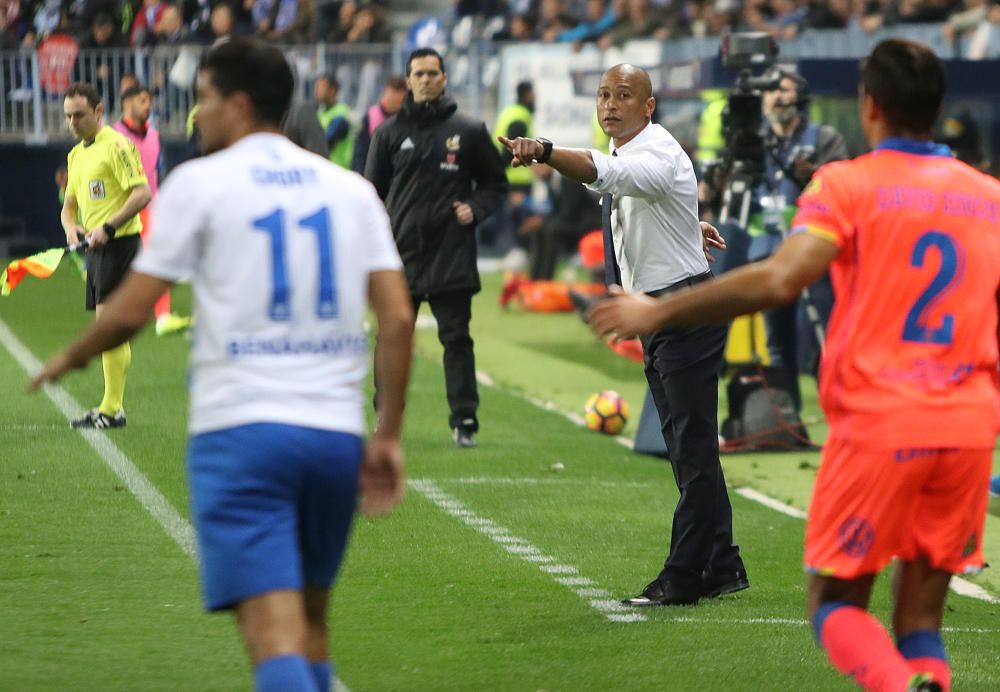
[278, 244]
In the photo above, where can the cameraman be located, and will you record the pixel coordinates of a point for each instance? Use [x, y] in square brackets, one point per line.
[794, 149]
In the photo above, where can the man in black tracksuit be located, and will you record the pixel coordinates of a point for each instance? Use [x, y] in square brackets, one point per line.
[439, 175]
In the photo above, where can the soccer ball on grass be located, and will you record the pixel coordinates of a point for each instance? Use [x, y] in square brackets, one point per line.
[606, 412]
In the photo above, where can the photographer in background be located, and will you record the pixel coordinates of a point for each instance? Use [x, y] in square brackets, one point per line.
[794, 149]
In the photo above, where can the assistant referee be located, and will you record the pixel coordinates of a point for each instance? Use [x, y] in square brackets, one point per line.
[107, 189]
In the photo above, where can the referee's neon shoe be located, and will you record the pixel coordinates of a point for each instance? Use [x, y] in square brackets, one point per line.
[172, 324]
[100, 421]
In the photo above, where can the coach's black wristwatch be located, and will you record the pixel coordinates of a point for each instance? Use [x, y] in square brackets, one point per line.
[546, 150]
[109, 230]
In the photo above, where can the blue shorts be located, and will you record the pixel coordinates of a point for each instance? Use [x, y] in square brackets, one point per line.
[272, 506]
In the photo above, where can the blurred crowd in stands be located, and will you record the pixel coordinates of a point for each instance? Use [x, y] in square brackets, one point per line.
[145, 23]
[120, 23]
[613, 22]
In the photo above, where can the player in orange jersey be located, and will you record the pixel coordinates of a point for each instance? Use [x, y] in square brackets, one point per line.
[909, 373]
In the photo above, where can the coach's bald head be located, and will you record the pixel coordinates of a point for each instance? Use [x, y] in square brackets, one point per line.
[625, 102]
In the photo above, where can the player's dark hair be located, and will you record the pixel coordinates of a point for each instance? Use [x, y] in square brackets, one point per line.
[134, 91]
[907, 81]
[424, 53]
[523, 89]
[85, 90]
[257, 69]
[332, 81]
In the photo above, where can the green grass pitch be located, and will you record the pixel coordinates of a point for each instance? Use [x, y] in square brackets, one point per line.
[447, 593]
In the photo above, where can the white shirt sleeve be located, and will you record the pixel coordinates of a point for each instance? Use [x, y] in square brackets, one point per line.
[643, 174]
[382, 254]
[172, 247]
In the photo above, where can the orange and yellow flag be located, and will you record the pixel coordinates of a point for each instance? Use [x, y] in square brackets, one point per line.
[41, 265]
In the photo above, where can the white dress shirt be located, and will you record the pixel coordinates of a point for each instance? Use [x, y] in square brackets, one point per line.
[654, 217]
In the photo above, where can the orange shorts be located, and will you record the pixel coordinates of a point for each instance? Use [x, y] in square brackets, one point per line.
[870, 505]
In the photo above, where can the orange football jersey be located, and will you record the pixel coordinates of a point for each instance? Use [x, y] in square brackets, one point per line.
[910, 358]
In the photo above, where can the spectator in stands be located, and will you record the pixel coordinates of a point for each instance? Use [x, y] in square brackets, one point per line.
[780, 18]
[48, 17]
[221, 25]
[169, 30]
[335, 118]
[345, 19]
[10, 24]
[104, 63]
[553, 19]
[393, 93]
[303, 29]
[368, 25]
[145, 21]
[113, 9]
[984, 41]
[521, 27]
[712, 17]
[272, 19]
[879, 13]
[640, 20]
[103, 34]
[600, 17]
[828, 14]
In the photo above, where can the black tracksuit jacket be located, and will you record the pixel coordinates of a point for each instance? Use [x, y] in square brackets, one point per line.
[421, 161]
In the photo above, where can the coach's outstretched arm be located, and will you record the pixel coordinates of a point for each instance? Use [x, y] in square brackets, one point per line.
[577, 164]
[381, 479]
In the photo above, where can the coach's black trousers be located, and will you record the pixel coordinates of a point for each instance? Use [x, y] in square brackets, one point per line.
[453, 312]
[682, 369]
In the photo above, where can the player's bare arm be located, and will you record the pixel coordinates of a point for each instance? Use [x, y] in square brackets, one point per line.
[777, 280]
[139, 196]
[577, 164]
[68, 215]
[381, 481]
[126, 311]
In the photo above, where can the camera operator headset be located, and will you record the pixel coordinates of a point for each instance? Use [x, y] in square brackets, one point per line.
[794, 149]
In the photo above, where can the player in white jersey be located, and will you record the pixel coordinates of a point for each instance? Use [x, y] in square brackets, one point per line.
[285, 250]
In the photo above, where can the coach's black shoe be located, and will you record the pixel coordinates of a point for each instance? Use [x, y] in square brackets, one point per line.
[95, 419]
[464, 433]
[663, 593]
[715, 585]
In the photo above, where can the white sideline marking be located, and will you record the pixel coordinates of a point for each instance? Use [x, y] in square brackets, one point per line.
[151, 499]
[597, 598]
[770, 502]
[504, 480]
[962, 587]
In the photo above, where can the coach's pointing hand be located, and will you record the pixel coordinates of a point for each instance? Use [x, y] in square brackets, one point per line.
[524, 150]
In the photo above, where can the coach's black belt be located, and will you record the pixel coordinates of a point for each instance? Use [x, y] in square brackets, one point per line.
[683, 283]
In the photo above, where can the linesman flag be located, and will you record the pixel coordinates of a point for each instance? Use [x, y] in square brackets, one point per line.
[41, 265]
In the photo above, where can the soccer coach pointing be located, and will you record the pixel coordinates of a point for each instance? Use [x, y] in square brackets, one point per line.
[654, 245]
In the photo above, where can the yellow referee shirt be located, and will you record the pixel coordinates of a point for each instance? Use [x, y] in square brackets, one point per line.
[101, 177]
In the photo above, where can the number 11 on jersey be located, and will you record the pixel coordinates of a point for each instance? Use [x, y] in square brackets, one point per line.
[319, 223]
